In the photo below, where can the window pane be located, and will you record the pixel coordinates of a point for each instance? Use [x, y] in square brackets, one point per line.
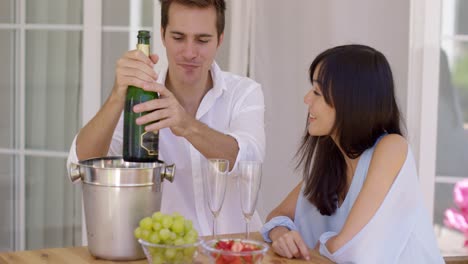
[54, 11]
[7, 11]
[53, 63]
[450, 240]
[7, 203]
[455, 17]
[114, 44]
[53, 205]
[452, 127]
[7, 87]
[452, 138]
[117, 13]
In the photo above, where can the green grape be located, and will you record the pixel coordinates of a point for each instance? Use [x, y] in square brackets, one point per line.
[187, 259]
[190, 239]
[154, 238]
[137, 232]
[173, 236]
[178, 218]
[167, 221]
[157, 216]
[179, 257]
[168, 229]
[170, 253]
[159, 251]
[157, 259]
[191, 236]
[164, 234]
[145, 234]
[189, 251]
[157, 226]
[188, 225]
[179, 241]
[176, 214]
[178, 226]
[192, 232]
[152, 250]
[146, 223]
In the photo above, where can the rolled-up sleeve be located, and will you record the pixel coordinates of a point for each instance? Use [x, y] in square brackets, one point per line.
[115, 148]
[248, 125]
[72, 157]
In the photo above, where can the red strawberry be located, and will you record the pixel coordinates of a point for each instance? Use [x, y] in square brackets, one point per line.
[236, 261]
[247, 259]
[237, 246]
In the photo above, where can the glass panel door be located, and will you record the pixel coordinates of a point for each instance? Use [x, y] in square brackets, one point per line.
[40, 76]
[452, 124]
[54, 12]
[7, 132]
[53, 210]
[121, 20]
[7, 11]
[7, 87]
[7, 203]
[53, 61]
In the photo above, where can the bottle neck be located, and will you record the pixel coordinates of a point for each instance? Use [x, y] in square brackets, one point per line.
[143, 45]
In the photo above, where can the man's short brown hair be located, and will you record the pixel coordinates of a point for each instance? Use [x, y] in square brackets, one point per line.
[219, 5]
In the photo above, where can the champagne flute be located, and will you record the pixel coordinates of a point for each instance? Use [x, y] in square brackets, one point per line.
[249, 181]
[215, 176]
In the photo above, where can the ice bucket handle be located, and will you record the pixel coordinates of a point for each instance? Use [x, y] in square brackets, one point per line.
[74, 172]
[168, 172]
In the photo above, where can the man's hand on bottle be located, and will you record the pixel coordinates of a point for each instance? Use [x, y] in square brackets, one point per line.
[134, 68]
[167, 110]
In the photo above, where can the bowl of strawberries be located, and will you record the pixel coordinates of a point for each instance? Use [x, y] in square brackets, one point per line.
[234, 251]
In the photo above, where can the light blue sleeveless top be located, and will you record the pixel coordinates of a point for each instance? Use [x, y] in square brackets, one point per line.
[399, 232]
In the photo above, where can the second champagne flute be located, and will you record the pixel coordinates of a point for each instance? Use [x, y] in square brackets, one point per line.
[249, 181]
[215, 173]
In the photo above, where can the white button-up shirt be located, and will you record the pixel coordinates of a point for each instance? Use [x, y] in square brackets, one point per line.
[235, 107]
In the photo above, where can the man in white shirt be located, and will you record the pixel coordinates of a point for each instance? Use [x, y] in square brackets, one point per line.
[203, 112]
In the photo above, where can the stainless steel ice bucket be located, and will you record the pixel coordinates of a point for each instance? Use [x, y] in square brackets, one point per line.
[116, 196]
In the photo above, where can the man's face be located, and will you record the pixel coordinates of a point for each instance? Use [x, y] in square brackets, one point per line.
[191, 42]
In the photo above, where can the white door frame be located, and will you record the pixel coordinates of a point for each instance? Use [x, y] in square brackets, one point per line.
[423, 90]
[91, 68]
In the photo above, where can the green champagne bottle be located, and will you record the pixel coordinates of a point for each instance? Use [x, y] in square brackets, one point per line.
[139, 145]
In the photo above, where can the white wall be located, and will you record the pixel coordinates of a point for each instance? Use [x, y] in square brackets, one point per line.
[287, 38]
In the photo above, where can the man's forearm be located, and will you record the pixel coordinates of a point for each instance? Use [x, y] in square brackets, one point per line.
[94, 139]
[211, 143]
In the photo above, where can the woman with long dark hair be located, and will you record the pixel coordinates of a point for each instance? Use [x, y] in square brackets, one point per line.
[359, 200]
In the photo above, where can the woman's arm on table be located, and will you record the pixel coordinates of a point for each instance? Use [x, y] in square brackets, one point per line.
[286, 240]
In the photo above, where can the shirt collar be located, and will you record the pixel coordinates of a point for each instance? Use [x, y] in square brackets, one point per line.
[218, 84]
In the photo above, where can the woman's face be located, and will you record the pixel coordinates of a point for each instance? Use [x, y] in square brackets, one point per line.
[321, 115]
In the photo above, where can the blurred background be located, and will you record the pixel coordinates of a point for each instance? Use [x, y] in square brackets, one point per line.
[57, 61]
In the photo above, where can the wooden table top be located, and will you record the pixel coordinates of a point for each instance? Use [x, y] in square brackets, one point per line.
[80, 255]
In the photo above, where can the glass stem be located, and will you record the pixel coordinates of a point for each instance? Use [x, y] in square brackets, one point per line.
[214, 228]
[247, 228]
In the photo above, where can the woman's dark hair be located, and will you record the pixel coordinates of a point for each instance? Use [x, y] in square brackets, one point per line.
[357, 82]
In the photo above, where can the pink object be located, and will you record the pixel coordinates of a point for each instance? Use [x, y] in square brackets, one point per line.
[458, 218]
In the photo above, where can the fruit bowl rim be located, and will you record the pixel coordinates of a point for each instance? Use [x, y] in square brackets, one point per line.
[148, 244]
[206, 245]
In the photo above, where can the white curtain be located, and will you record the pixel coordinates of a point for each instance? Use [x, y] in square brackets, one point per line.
[240, 14]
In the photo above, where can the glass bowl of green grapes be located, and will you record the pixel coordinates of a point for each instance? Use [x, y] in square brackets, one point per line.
[168, 239]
